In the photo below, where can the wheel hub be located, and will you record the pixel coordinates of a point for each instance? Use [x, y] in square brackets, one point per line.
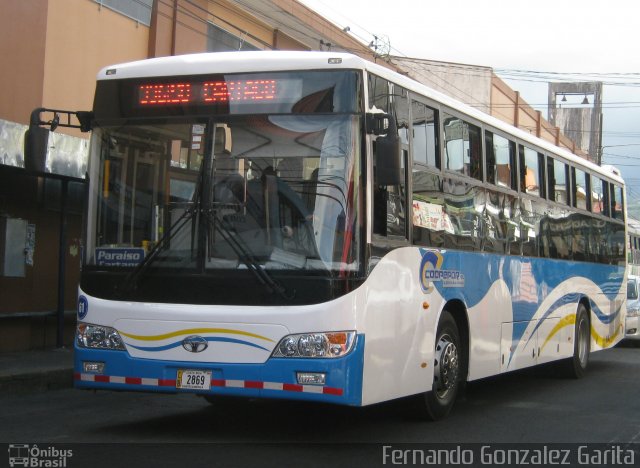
[446, 366]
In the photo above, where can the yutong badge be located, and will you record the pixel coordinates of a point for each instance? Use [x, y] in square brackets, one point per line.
[195, 344]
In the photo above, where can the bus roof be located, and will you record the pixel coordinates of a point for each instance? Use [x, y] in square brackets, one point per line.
[231, 62]
[265, 61]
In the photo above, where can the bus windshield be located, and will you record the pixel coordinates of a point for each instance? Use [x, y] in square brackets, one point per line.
[274, 192]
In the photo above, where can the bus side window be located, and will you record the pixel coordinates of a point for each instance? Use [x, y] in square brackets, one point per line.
[500, 155]
[390, 200]
[462, 147]
[616, 202]
[530, 171]
[579, 189]
[430, 219]
[389, 204]
[597, 197]
[424, 134]
[463, 208]
[557, 181]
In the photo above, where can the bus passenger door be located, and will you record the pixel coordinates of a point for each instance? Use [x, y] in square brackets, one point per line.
[146, 214]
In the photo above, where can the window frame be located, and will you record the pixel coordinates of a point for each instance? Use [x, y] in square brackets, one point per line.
[513, 160]
[447, 112]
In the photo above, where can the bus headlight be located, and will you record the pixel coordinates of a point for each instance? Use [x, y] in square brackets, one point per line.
[98, 336]
[633, 312]
[316, 345]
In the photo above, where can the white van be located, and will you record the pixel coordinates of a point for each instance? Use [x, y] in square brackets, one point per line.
[632, 323]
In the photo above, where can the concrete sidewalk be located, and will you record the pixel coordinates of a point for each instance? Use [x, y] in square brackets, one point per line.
[35, 371]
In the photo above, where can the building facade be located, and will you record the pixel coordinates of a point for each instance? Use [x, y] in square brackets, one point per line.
[53, 50]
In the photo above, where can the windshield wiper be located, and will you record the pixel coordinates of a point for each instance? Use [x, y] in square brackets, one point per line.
[130, 282]
[245, 255]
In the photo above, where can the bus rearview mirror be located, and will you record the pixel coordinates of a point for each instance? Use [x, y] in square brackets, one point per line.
[388, 152]
[36, 142]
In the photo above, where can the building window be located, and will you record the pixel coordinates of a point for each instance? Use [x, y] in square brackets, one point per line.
[219, 40]
[139, 10]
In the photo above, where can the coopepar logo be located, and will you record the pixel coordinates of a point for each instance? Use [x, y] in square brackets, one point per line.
[431, 271]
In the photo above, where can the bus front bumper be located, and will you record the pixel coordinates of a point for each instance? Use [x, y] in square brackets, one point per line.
[275, 378]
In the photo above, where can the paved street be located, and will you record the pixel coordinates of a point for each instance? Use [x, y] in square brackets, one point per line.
[532, 406]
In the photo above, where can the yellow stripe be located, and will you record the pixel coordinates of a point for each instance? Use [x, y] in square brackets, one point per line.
[566, 321]
[570, 320]
[191, 331]
[602, 341]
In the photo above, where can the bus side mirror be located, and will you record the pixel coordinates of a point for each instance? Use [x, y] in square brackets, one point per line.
[36, 143]
[387, 149]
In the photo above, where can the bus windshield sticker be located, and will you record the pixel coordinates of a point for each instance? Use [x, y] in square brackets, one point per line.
[119, 256]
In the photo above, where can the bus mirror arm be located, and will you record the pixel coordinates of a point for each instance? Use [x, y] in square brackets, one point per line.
[83, 119]
[36, 138]
[387, 150]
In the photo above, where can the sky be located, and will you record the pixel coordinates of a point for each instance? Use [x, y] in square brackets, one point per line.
[527, 44]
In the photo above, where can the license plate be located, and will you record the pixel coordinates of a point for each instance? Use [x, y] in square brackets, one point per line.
[193, 379]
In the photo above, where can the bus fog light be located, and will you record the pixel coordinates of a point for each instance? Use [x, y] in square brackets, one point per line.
[98, 337]
[311, 378]
[93, 367]
[316, 345]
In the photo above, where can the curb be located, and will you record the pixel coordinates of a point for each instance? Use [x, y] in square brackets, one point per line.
[36, 382]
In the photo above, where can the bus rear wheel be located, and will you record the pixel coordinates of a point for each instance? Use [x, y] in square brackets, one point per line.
[437, 403]
[576, 366]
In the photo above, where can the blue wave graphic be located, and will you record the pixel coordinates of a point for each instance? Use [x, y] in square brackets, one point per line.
[537, 276]
[209, 338]
[574, 298]
[604, 318]
[529, 281]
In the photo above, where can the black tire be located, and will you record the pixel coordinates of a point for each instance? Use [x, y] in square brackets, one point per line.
[576, 366]
[437, 403]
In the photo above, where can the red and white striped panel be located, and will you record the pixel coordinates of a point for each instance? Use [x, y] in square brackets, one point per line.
[286, 387]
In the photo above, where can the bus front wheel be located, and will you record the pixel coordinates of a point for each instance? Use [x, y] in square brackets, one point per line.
[437, 403]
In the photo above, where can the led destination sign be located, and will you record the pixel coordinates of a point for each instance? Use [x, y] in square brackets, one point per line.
[207, 92]
[277, 92]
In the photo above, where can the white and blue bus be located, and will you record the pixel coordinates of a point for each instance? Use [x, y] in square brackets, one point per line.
[313, 226]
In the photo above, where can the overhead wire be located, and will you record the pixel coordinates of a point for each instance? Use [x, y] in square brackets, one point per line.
[466, 70]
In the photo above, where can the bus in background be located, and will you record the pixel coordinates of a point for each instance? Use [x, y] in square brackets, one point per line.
[313, 226]
[632, 321]
[633, 238]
